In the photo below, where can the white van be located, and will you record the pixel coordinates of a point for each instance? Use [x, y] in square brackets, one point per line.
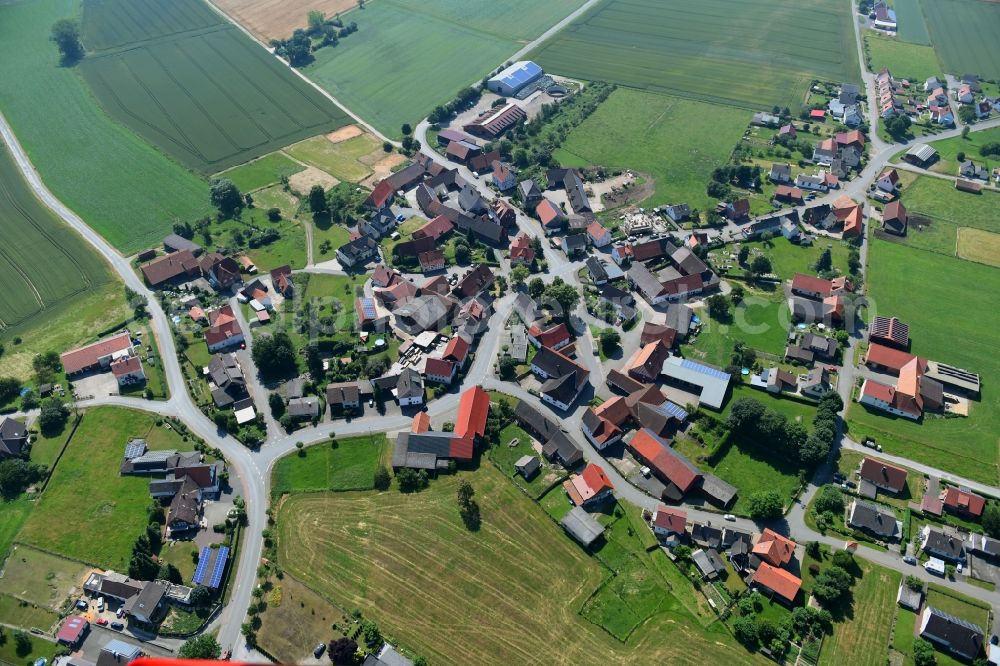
[100, 604]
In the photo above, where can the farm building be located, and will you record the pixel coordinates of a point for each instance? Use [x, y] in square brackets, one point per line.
[495, 122]
[514, 78]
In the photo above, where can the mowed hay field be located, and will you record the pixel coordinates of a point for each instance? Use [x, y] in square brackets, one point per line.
[677, 142]
[191, 83]
[509, 593]
[123, 187]
[278, 19]
[44, 265]
[89, 511]
[964, 33]
[754, 54]
[913, 61]
[954, 321]
[408, 56]
[861, 639]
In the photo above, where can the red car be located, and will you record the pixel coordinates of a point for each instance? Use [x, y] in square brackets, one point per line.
[101, 621]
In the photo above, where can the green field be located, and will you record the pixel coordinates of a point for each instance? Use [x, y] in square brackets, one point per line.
[677, 142]
[787, 259]
[915, 62]
[265, 171]
[861, 639]
[752, 54]
[521, 578]
[350, 465]
[948, 150]
[86, 496]
[761, 321]
[13, 514]
[35, 240]
[340, 160]
[9, 653]
[40, 578]
[911, 25]
[964, 34]
[938, 211]
[402, 61]
[123, 187]
[193, 84]
[938, 319]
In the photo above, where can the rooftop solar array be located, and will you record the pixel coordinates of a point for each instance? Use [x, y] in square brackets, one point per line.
[199, 572]
[704, 369]
[134, 449]
[368, 307]
[519, 74]
[219, 567]
[674, 410]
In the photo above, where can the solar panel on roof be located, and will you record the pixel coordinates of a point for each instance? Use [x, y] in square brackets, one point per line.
[134, 450]
[704, 369]
[199, 572]
[368, 307]
[674, 410]
[219, 567]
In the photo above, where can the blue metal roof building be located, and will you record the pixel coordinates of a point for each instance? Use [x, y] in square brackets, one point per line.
[515, 77]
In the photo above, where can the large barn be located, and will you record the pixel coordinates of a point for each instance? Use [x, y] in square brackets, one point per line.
[513, 78]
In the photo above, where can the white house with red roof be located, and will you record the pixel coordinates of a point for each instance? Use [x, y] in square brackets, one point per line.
[598, 234]
[589, 488]
[223, 330]
[555, 337]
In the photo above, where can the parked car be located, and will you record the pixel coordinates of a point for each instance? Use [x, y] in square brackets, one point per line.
[400, 217]
[82, 605]
[319, 650]
[730, 517]
[101, 621]
[958, 567]
[117, 626]
[850, 484]
[838, 477]
[100, 604]
[909, 559]
[120, 613]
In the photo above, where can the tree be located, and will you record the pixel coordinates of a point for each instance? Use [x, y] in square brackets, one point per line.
[764, 504]
[53, 416]
[9, 389]
[825, 261]
[371, 632]
[535, 289]
[406, 129]
[610, 339]
[315, 20]
[760, 265]
[274, 355]
[897, 126]
[382, 478]
[967, 114]
[991, 519]
[200, 647]
[342, 651]
[832, 584]
[277, 405]
[317, 199]
[462, 253]
[745, 629]
[744, 414]
[200, 596]
[16, 474]
[66, 35]
[470, 515]
[518, 276]
[743, 255]
[923, 653]
[830, 499]
[813, 549]
[298, 48]
[718, 307]
[22, 644]
[314, 362]
[225, 196]
[960, 156]
[914, 583]
[737, 294]
[507, 368]
[682, 552]
[465, 492]
[170, 572]
[843, 559]
[560, 293]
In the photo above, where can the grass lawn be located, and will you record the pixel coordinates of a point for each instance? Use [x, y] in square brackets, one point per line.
[261, 172]
[288, 248]
[849, 462]
[13, 514]
[861, 638]
[948, 150]
[937, 319]
[132, 194]
[939, 200]
[402, 61]
[902, 635]
[751, 468]
[341, 160]
[295, 619]
[915, 62]
[963, 32]
[22, 614]
[787, 259]
[40, 578]
[504, 456]
[677, 142]
[181, 554]
[380, 547]
[792, 409]
[753, 54]
[87, 486]
[761, 322]
[970, 610]
[9, 653]
[980, 246]
[348, 466]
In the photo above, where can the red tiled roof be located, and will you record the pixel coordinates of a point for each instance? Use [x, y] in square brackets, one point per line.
[551, 337]
[223, 326]
[853, 136]
[666, 518]
[787, 192]
[439, 367]
[436, 228]
[381, 194]
[667, 462]
[964, 500]
[71, 630]
[883, 474]
[548, 212]
[774, 548]
[596, 230]
[84, 357]
[457, 349]
[878, 391]
[614, 410]
[811, 283]
[817, 113]
[591, 482]
[521, 249]
[887, 356]
[783, 583]
[421, 422]
[460, 448]
[472, 411]
[126, 366]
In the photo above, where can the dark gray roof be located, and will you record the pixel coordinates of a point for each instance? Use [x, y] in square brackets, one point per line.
[555, 442]
[303, 407]
[294, 388]
[718, 491]
[872, 518]
[596, 269]
[582, 526]
[175, 243]
[526, 308]
[410, 384]
[707, 534]
[575, 242]
[944, 545]
[13, 437]
[953, 633]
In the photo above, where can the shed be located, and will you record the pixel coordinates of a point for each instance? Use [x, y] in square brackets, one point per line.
[582, 526]
[528, 466]
[72, 630]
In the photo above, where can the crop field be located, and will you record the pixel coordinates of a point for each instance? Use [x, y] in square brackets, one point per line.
[278, 19]
[40, 578]
[191, 83]
[965, 446]
[265, 171]
[979, 246]
[913, 61]
[348, 160]
[964, 34]
[131, 193]
[35, 240]
[350, 465]
[402, 61]
[752, 54]
[912, 27]
[86, 485]
[521, 578]
[676, 142]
